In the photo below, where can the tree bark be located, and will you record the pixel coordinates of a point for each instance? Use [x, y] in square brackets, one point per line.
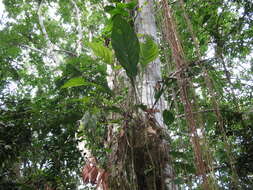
[145, 24]
[140, 155]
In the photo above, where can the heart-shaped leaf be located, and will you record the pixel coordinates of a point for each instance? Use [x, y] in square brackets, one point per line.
[102, 52]
[148, 51]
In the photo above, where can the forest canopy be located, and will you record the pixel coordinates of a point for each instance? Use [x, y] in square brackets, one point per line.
[151, 94]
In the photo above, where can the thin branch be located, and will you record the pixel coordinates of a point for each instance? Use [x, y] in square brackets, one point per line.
[50, 45]
[201, 111]
[34, 49]
[79, 28]
[69, 53]
[41, 22]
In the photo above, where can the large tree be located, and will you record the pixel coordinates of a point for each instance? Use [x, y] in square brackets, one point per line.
[148, 164]
[158, 92]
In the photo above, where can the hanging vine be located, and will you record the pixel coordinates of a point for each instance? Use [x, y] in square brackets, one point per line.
[185, 90]
[214, 96]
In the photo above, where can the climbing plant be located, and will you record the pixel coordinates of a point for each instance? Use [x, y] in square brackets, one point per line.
[72, 72]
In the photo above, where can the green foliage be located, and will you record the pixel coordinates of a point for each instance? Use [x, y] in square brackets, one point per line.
[15, 134]
[126, 46]
[121, 8]
[148, 51]
[74, 82]
[39, 110]
[168, 117]
[102, 52]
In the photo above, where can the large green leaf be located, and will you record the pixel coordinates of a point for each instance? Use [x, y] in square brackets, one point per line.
[149, 51]
[78, 81]
[126, 45]
[102, 52]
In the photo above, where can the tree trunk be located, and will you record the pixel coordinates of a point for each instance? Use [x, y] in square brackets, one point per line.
[140, 158]
[145, 24]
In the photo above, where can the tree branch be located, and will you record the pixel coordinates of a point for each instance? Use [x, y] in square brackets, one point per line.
[69, 53]
[50, 45]
[79, 28]
[201, 111]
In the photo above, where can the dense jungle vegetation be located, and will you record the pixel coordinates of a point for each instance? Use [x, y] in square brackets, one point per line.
[126, 94]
